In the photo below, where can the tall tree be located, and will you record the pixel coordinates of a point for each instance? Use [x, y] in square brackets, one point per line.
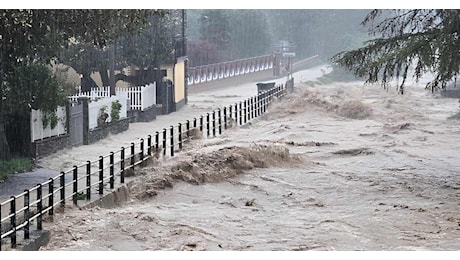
[150, 46]
[253, 32]
[153, 45]
[85, 58]
[215, 30]
[407, 42]
[249, 34]
[35, 36]
[317, 31]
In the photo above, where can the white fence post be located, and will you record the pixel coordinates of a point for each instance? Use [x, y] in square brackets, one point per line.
[140, 98]
[148, 96]
[93, 94]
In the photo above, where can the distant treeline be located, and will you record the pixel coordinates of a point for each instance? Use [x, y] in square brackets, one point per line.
[223, 35]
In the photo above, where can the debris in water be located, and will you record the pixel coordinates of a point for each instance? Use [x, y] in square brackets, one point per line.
[354, 152]
[250, 203]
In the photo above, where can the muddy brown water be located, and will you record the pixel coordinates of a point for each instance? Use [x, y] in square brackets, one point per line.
[387, 181]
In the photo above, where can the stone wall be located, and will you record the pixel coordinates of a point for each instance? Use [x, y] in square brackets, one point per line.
[112, 128]
[47, 146]
[147, 115]
[180, 104]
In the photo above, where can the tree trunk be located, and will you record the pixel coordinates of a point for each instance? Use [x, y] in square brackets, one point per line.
[87, 83]
[5, 153]
[104, 76]
[4, 146]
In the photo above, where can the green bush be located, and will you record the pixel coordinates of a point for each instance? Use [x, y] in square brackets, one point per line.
[115, 112]
[14, 165]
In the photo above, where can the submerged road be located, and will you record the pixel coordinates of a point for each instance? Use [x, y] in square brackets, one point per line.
[198, 103]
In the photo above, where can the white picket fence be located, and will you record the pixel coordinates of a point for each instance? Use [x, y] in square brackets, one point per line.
[93, 94]
[94, 108]
[133, 98]
[38, 132]
[140, 98]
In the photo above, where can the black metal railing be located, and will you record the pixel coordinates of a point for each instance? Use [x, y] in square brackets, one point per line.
[83, 182]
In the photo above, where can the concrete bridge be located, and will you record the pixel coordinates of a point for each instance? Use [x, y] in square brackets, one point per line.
[262, 68]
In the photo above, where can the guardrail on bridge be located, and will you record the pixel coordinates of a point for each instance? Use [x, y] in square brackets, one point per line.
[211, 72]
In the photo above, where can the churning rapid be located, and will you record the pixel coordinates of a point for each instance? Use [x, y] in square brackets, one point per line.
[329, 167]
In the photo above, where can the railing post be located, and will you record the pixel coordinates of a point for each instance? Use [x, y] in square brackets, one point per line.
[194, 122]
[259, 100]
[252, 108]
[141, 154]
[258, 105]
[214, 123]
[26, 214]
[62, 191]
[122, 165]
[265, 101]
[179, 127]
[207, 124]
[101, 175]
[112, 172]
[88, 180]
[187, 128]
[157, 141]
[164, 141]
[249, 109]
[75, 185]
[219, 118]
[149, 145]
[132, 156]
[172, 140]
[240, 112]
[39, 206]
[201, 123]
[230, 116]
[225, 116]
[51, 196]
[13, 221]
[245, 109]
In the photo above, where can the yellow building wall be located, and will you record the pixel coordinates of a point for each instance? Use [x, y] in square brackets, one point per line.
[169, 71]
[179, 81]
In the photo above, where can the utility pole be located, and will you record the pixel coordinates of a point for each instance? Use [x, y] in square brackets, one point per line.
[112, 69]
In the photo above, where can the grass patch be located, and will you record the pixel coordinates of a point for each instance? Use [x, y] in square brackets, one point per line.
[14, 165]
